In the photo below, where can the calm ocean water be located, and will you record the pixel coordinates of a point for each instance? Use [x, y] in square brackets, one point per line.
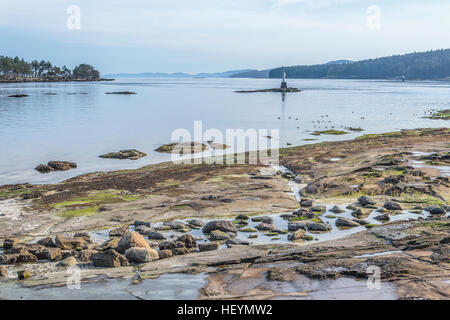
[78, 121]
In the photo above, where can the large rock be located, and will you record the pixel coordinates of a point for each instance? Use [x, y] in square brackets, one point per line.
[131, 154]
[307, 203]
[18, 258]
[346, 223]
[141, 255]
[51, 254]
[109, 259]
[365, 200]
[142, 223]
[46, 242]
[221, 225]
[43, 168]
[62, 165]
[391, 205]
[143, 230]
[131, 240]
[165, 254]
[3, 272]
[67, 243]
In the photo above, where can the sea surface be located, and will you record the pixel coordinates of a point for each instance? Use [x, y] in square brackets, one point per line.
[78, 121]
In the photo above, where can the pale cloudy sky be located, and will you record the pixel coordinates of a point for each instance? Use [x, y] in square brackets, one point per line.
[218, 35]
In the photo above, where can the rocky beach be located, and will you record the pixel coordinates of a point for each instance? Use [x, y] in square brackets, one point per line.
[310, 227]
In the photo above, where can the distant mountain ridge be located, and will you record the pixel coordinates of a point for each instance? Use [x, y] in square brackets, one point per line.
[179, 75]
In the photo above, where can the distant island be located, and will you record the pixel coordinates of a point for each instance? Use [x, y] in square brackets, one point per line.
[18, 70]
[429, 65]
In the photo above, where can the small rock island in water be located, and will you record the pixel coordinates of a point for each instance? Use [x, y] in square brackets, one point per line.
[283, 88]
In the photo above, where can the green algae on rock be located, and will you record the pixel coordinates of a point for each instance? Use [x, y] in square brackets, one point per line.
[183, 147]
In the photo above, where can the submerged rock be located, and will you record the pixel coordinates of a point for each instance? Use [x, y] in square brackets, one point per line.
[121, 92]
[130, 154]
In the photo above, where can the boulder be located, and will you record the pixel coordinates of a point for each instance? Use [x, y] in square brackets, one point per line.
[10, 243]
[67, 243]
[62, 165]
[242, 217]
[437, 211]
[337, 209]
[109, 259]
[307, 203]
[130, 154]
[346, 223]
[220, 225]
[365, 200]
[47, 242]
[118, 232]
[141, 255]
[131, 240]
[300, 233]
[51, 254]
[217, 235]
[391, 205]
[175, 225]
[109, 244]
[209, 246]
[164, 254]
[17, 258]
[68, 262]
[85, 255]
[360, 213]
[156, 236]
[319, 208]
[170, 245]
[188, 240]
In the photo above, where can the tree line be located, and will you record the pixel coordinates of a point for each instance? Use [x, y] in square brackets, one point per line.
[418, 65]
[15, 68]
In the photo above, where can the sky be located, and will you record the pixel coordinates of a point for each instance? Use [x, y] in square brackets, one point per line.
[218, 35]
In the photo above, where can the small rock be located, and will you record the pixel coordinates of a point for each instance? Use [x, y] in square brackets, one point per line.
[118, 232]
[360, 221]
[131, 154]
[346, 223]
[209, 246]
[196, 223]
[237, 242]
[141, 255]
[3, 272]
[391, 205]
[242, 217]
[319, 208]
[188, 240]
[300, 233]
[67, 243]
[365, 200]
[164, 254]
[217, 235]
[180, 251]
[68, 262]
[265, 226]
[156, 236]
[307, 203]
[23, 274]
[10, 243]
[296, 225]
[144, 230]
[51, 254]
[62, 165]
[337, 209]
[46, 242]
[383, 217]
[317, 226]
[142, 223]
[175, 225]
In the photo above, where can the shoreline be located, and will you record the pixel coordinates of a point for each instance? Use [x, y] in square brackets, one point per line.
[34, 80]
[356, 198]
